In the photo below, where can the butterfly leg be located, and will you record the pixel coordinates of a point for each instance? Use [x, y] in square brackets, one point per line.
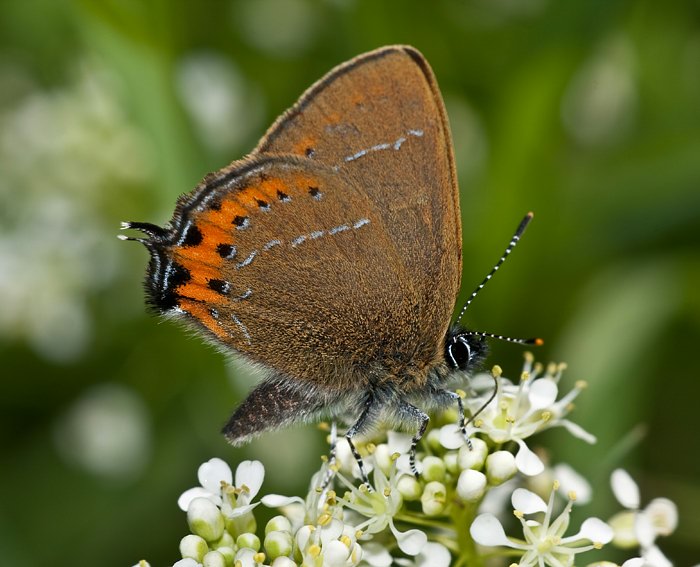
[462, 423]
[330, 472]
[367, 416]
[410, 413]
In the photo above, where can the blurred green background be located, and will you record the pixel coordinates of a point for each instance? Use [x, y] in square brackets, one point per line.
[586, 112]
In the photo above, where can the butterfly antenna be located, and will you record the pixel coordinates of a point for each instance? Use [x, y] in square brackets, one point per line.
[533, 341]
[513, 241]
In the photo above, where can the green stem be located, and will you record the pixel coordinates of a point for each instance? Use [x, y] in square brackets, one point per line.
[462, 518]
[420, 521]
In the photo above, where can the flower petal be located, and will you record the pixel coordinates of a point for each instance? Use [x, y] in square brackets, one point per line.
[634, 562]
[663, 514]
[245, 557]
[335, 553]
[186, 562]
[211, 473]
[486, 529]
[527, 462]
[303, 536]
[497, 497]
[527, 502]
[252, 474]
[331, 531]
[595, 530]
[240, 510]
[625, 489]
[644, 530]
[542, 394]
[577, 431]
[277, 500]
[376, 555]
[451, 436]
[198, 492]
[655, 558]
[410, 542]
[434, 555]
[570, 481]
[399, 442]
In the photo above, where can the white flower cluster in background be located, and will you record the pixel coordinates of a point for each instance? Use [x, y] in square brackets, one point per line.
[64, 155]
[454, 513]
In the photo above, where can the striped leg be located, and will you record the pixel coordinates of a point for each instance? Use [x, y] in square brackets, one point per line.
[411, 413]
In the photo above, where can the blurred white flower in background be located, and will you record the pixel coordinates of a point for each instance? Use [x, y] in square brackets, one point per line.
[600, 104]
[106, 431]
[224, 108]
[63, 153]
[281, 28]
[636, 527]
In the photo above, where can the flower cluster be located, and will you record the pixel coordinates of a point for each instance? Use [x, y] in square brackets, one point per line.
[452, 514]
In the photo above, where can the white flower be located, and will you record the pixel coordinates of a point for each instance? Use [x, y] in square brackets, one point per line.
[216, 480]
[545, 543]
[379, 506]
[301, 511]
[331, 544]
[569, 481]
[641, 527]
[519, 411]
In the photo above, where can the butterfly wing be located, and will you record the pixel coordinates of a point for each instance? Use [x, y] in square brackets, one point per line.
[379, 120]
[332, 255]
[288, 262]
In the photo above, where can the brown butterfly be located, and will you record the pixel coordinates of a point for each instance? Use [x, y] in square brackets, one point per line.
[331, 256]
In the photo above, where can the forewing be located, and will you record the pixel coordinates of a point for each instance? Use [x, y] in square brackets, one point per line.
[379, 120]
[288, 262]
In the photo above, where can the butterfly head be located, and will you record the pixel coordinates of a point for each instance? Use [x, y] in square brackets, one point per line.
[464, 351]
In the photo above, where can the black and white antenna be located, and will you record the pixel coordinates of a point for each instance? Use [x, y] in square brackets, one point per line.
[513, 242]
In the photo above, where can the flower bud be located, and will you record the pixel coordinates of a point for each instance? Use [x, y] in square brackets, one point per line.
[242, 524]
[433, 440]
[225, 540]
[194, 547]
[471, 485]
[278, 543]
[623, 525]
[474, 458]
[433, 469]
[278, 524]
[451, 461]
[214, 559]
[500, 466]
[229, 554]
[205, 519]
[283, 562]
[434, 498]
[248, 540]
[382, 458]
[409, 488]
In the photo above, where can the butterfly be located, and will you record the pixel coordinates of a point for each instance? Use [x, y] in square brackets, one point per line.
[331, 257]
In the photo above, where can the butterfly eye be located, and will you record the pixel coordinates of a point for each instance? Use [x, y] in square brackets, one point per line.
[459, 353]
